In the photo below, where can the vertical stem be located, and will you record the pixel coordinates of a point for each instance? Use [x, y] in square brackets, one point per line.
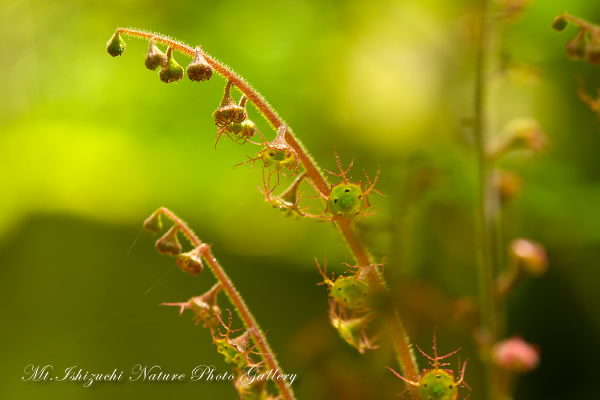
[484, 243]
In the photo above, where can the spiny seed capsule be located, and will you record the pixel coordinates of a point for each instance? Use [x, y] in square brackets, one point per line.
[576, 47]
[116, 45]
[199, 69]
[285, 158]
[242, 130]
[346, 200]
[438, 384]
[171, 70]
[155, 58]
[350, 292]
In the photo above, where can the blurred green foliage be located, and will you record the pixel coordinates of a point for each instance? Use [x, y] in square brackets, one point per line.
[91, 145]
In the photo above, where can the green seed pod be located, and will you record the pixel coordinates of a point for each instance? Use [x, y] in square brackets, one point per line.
[155, 58]
[169, 243]
[352, 330]
[199, 69]
[242, 130]
[284, 157]
[116, 45]
[559, 23]
[235, 350]
[437, 384]
[576, 48]
[190, 262]
[350, 292]
[171, 71]
[346, 200]
[153, 224]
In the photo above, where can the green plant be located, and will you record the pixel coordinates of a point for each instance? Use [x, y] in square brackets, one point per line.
[350, 315]
[360, 304]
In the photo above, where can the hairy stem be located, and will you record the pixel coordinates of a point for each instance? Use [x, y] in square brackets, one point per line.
[485, 240]
[313, 172]
[235, 298]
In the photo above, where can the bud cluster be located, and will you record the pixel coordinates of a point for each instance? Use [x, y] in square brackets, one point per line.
[585, 45]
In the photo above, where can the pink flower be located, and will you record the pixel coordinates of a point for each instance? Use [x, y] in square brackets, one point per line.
[515, 354]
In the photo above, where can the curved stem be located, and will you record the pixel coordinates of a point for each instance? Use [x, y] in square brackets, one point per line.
[235, 298]
[313, 172]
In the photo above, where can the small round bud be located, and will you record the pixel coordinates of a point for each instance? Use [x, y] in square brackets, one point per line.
[559, 23]
[199, 69]
[515, 354]
[576, 48]
[171, 71]
[153, 224]
[169, 244]
[518, 134]
[116, 45]
[530, 256]
[190, 262]
[155, 58]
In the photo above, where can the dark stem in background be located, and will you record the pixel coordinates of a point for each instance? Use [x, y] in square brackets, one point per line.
[484, 238]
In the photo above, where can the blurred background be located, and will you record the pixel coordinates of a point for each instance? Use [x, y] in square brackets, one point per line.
[90, 146]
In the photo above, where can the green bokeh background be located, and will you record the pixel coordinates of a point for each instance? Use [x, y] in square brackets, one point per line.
[90, 146]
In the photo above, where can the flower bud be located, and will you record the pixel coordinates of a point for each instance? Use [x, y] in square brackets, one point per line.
[576, 48]
[153, 224]
[171, 71]
[559, 23]
[155, 58]
[199, 69]
[169, 244]
[518, 134]
[530, 256]
[515, 354]
[190, 262]
[228, 111]
[116, 45]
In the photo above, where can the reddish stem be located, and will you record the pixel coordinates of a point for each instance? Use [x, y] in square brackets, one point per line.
[235, 298]
[314, 173]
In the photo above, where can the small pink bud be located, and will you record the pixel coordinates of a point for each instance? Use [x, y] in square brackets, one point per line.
[530, 256]
[515, 354]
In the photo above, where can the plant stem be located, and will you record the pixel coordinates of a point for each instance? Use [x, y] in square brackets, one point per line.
[581, 22]
[236, 299]
[485, 243]
[314, 173]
